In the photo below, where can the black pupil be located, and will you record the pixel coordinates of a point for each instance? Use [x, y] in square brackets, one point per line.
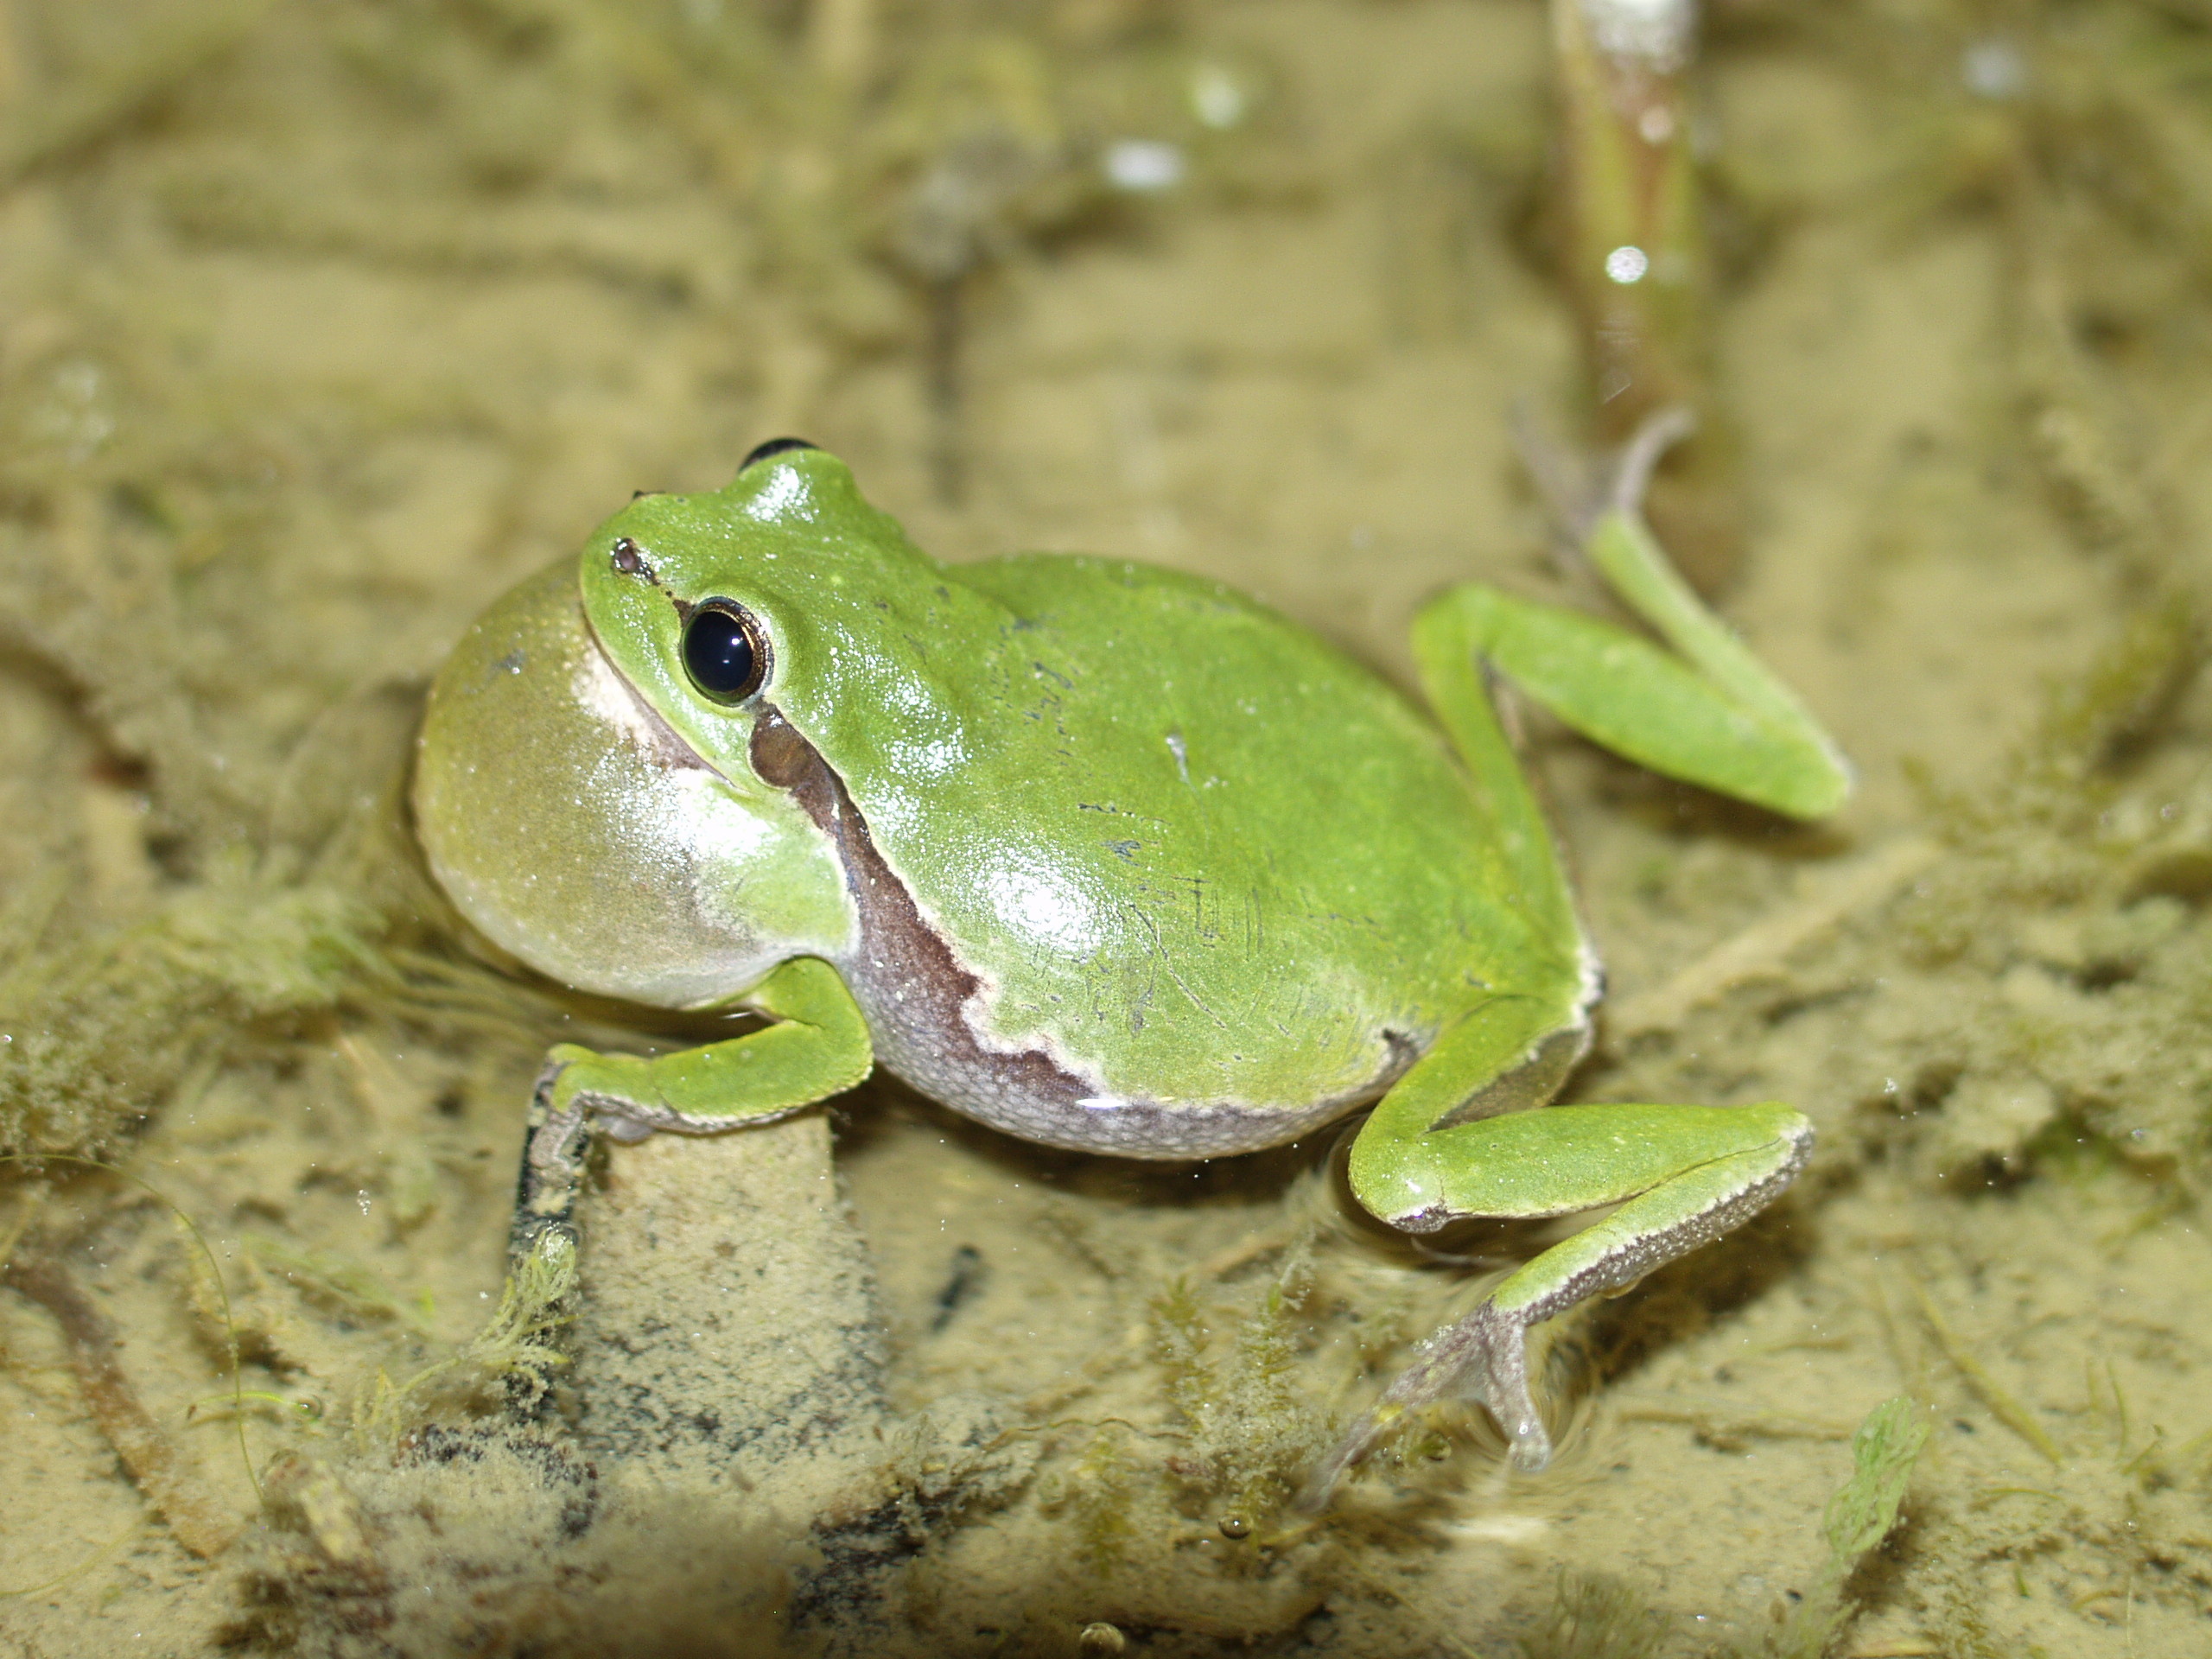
[720, 654]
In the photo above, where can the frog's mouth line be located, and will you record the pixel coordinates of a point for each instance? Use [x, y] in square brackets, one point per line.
[606, 689]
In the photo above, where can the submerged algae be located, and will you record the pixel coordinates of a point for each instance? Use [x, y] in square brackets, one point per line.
[103, 1025]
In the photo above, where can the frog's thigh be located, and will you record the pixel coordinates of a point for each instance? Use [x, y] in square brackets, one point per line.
[818, 1047]
[1512, 1051]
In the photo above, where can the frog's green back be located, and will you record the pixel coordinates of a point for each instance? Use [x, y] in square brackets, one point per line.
[1178, 840]
[1255, 836]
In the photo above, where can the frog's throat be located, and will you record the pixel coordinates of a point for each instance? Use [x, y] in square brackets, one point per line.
[915, 995]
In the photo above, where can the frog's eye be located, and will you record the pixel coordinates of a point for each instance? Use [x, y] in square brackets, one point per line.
[725, 652]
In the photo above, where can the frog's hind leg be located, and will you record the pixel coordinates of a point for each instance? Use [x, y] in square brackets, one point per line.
[1701, 708]
[1682, 1176]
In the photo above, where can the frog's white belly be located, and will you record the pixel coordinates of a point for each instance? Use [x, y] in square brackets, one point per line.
[1030, 1094]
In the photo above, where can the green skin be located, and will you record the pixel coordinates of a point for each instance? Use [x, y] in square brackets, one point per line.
[1105, 856]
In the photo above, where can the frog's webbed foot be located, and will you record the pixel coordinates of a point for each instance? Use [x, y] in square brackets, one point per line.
[1486, 1354]
[564, 1110]
[1682, 1176]
[579, 1092]
[1582, 492]
[817, 1045]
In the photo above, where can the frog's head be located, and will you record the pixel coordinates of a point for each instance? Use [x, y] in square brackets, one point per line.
[761, 595]
[584, 786]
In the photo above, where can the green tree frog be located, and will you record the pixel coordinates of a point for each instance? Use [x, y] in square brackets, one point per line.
[1104, 856]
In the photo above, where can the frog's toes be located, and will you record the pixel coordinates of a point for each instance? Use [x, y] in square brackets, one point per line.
[554, 1148]
[1495, 1348]
[1484, 1355]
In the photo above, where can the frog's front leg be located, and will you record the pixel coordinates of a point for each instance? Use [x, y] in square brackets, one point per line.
[818, 1046]
[1682, 1176]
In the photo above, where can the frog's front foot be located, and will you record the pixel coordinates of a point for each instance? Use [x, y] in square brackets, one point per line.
[577, 1091]
[555, 1145]
[1486, 1354]
[558, 1141]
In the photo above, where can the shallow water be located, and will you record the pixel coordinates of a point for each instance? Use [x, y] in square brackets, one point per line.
[321, 325]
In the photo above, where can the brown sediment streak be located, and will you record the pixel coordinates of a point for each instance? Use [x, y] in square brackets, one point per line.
[150, 1456]
[916, 995]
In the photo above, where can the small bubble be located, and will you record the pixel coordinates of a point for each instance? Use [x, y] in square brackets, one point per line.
[77, 380]
[1627, 264]
[1143, 165]
[1217, 99]
[1995, 69]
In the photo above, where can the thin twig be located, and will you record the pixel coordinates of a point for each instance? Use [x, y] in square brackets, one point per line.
[1993, 1394]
